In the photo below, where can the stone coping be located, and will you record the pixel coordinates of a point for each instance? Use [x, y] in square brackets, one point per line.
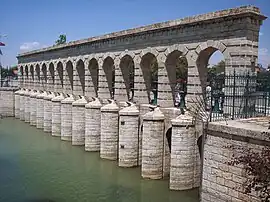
[243, 10]
[49, 96]
[183, 120]
[34, 94]
[255, 128]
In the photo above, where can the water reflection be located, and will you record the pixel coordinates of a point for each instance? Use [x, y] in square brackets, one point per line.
[36, 167]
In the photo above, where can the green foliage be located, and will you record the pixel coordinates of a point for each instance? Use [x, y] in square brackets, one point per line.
[5, 72]
[61, 40]
[257, 167]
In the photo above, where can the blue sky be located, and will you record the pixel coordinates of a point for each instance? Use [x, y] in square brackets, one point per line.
[33, 24]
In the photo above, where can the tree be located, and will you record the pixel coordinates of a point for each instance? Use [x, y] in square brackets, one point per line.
[61, 40]
[257, 167]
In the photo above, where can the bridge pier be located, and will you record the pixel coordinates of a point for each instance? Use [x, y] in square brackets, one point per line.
[56, 115]
[27, 105]
[48, 112]
[66, 118]
[40, 109]
[92, 125]
[153, 145]
[33, 108]
[17, 103]
[128, 137]
[109, 131]
[78, 121]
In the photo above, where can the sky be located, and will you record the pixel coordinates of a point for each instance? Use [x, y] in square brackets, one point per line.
[34, 24]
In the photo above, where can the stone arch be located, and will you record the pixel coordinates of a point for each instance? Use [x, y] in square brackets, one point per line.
[199, 145]
[51, 72]
[60, 72]
[127, 68]
[177, 70]
[31, 76]
[69, 70]
[149, 67]
[93, 69]
[80, 68]
[205, 51]
[44, 75]
[109, 70]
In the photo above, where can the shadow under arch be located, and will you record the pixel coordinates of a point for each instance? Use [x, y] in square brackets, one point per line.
[81, 73]
[43, 78]
[60, 72]
[94, 73]
[128, 70]
[177, 70]
[109, 70]
[149, 67]
[51, 73]
[203, 63]
[69, 69]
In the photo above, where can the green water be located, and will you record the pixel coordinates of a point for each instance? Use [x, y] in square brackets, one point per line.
[36, 167]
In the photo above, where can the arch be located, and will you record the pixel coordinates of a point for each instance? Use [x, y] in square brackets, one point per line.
[60, 72]
[94, 73]
[26, 71]
[37, 70]
[32, 72]
[177, 48]
[69, 70]
[81, 73]
[202, 64]
[128, 70]
[51, 72]
[169, 137]
[177, 70]
[149, 66]
[109, 70]
[21, 70]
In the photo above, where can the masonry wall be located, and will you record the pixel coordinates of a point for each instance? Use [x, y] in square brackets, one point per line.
[7, 101]
[221, 181]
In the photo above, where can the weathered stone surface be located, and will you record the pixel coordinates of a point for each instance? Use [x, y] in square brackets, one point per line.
[152, 145]
[7, 101]
[40, 109]
[78, 121]
[33, 108]
[183, 156]
[56, 115]
[27, 106]
[17, 103]
[48, 112]
[92, 125]
[109, 131]
[22, 104]
[66, 118]
[224, 182]
[128, 136]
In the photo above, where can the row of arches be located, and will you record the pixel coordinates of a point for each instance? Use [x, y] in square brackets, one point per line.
[80, 74]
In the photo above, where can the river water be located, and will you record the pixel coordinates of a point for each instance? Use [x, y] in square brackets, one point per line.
[36, 167]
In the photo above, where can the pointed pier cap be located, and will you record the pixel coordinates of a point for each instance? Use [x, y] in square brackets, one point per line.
[95, 104]
[111, 107]
[131, 110]
[42, 95]
[183, 120]
[80, 102]
[68, 100]
[155, 115]
[58, 98]
[49, 96]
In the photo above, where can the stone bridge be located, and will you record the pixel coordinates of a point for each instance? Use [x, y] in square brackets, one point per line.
[79, 90]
